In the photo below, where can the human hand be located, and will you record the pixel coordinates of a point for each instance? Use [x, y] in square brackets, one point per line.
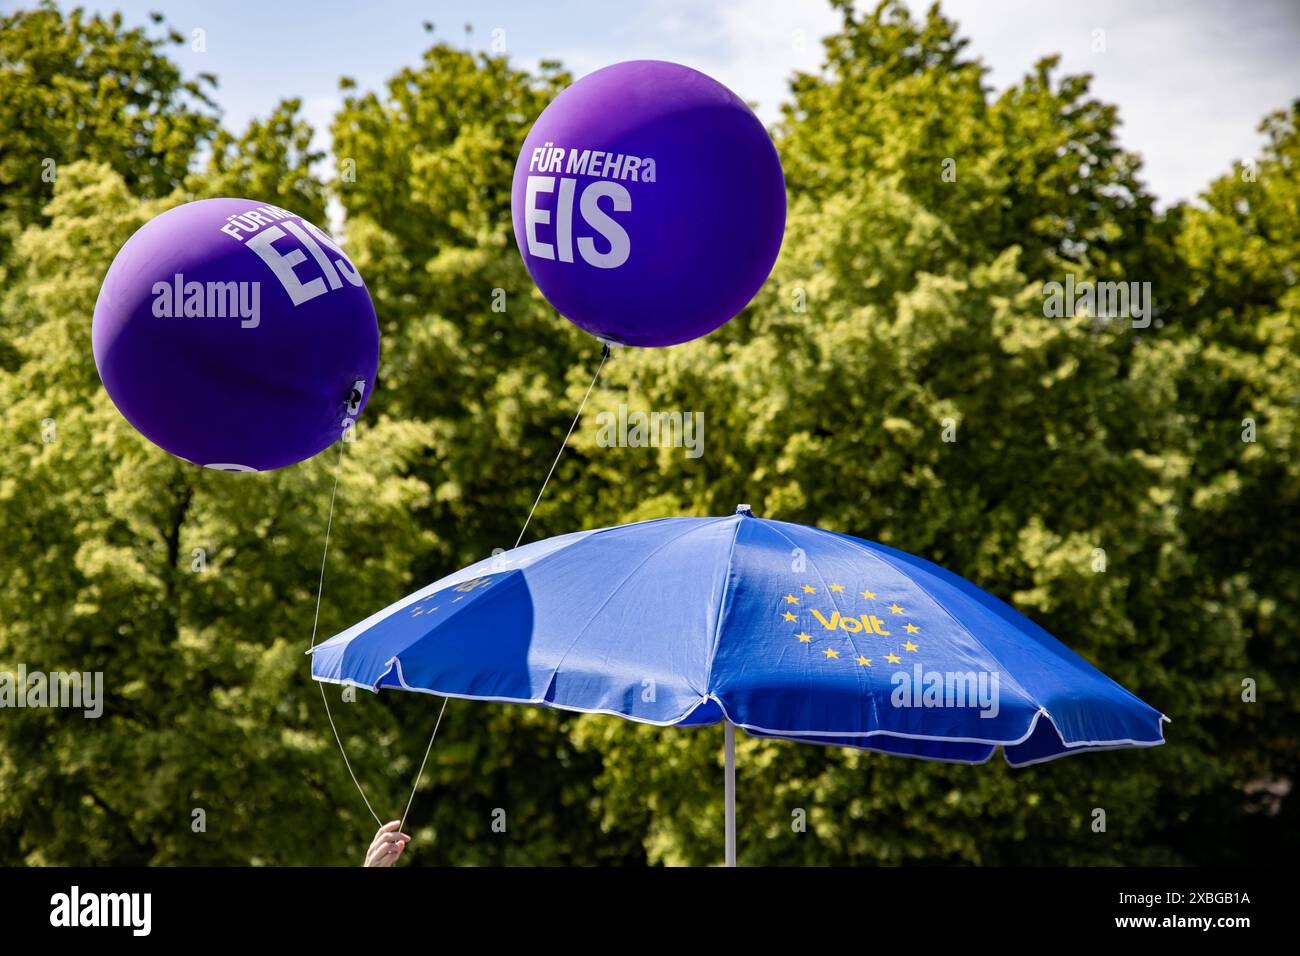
[387, 846]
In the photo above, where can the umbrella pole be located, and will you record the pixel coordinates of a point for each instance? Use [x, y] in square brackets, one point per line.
[729, 788]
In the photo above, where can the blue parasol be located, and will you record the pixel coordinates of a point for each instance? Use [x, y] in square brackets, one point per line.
[780, 629]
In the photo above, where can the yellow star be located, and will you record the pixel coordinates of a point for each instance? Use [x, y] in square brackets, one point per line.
[455, 599]
[909, 646]
[434, 608]
[809, 589]
[788, 616]
[868, 594]
[837, 588]
[791, 599]
[830, 653]
[896, 609]
[910, 628]
[893, 659]
[864, 661]
[804, 638]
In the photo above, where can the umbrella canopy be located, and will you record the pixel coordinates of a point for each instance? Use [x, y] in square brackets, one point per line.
[784, 630]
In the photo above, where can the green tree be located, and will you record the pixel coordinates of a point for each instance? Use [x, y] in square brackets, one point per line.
[1239, 308]
[472, 353]
[190, 590]
[80, 86]
[272, 161]
[897, 378]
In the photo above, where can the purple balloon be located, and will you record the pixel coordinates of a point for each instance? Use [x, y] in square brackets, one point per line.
[648, 203]
[236, 335]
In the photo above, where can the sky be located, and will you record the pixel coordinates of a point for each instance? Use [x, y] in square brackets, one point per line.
[1192, 79]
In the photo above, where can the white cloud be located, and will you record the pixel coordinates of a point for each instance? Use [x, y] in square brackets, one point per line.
[1192, 79]
[751, 46]
[767, 41]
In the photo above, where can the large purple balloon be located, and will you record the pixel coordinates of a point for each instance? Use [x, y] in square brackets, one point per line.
[648, 203]
[236, 335]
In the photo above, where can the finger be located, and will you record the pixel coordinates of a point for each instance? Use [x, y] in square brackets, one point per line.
[383, 856]
[387, 844]
[383, 837]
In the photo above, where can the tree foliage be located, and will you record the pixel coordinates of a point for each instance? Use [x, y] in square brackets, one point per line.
[897, 378]
[83, 86]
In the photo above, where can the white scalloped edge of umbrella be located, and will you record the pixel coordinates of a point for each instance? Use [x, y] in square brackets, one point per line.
[806, 736]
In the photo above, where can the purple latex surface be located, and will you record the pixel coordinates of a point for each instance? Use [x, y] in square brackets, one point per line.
[700, 239]
[256, 380]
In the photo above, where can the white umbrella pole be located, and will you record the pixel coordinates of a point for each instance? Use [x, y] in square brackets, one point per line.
[729, 787]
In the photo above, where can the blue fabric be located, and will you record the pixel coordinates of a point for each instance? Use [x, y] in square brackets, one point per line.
[785, 630]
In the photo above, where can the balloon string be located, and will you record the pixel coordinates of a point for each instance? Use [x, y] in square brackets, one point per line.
[419, 773]
[320, 587]
[329, 525]
[604, 355]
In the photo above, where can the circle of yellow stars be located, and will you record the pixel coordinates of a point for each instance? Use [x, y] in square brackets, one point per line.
[830, 653]
[465, 587]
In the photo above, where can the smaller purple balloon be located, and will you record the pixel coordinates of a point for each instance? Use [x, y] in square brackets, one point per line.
[648, 203]
[236, 335]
